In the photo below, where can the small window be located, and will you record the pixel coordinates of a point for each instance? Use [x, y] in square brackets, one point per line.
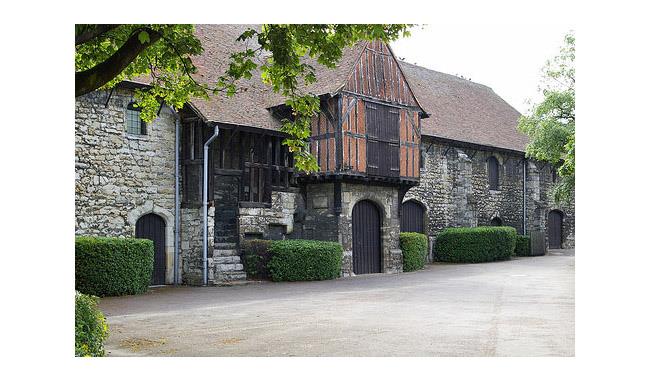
[493, 173]
[423, 159]
[134, 124]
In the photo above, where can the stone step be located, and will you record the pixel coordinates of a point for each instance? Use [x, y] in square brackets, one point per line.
[230, 277]
[225, 231]
[225, 252]
[227, 268]
[225, 246]
[227, 260]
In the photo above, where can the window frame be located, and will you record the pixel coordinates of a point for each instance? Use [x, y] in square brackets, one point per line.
[493, 177]
[131, 107]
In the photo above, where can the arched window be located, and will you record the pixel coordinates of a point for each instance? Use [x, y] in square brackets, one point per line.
[496, 221]
[134, 125]
[493, 172]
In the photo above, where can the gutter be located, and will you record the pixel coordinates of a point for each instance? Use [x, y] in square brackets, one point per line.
[524, 198]
[177, 198]
[206, 147]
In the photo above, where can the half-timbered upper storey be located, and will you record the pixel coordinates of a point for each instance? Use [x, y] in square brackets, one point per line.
[370, 127]
[374, 110]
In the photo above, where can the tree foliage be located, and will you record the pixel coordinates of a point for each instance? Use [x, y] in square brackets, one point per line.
[162, 54]
[551, 123]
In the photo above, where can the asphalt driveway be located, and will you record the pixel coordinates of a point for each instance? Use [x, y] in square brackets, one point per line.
[521, 307]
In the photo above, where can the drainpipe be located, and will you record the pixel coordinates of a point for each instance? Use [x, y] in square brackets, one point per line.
[206, 147]
[177, 197]
[525, 162]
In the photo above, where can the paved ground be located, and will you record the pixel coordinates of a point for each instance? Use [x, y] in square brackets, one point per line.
[522, 307]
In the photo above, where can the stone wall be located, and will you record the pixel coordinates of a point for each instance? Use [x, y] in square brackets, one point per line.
[540, 202]
[191, 252]
[387, 198]
[324, 222]
[454, 188]
[120, 177]
[321, 220]
[275, 222]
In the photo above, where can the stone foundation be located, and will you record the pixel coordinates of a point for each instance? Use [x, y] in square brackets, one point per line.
[276, 222]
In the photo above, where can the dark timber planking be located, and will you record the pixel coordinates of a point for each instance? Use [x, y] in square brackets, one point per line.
[152, 227]
[366, 238]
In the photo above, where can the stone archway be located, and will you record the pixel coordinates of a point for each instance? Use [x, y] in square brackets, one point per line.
[413, 216]
[366, 238]
[150, 208]
[152, 226]
[554, 229]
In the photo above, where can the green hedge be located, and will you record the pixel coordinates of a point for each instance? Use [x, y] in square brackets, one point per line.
[522, 248]
[256, 257]
[112, 266]
[304, 260]
[90, 328]
[475, 244]
[414, 250]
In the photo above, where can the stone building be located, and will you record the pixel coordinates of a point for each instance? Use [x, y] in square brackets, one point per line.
[400, 147]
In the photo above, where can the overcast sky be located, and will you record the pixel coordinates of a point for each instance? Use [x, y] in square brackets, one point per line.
[507, 58]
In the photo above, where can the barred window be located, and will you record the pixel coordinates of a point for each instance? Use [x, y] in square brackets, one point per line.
[134, 125]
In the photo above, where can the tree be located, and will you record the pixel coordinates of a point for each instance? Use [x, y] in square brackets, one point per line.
[108, 54]
[550, 124]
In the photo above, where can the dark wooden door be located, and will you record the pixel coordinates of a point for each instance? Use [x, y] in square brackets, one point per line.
[152, 227]
[412, 218]
[496, 221]
[366, 238]
[554, 229]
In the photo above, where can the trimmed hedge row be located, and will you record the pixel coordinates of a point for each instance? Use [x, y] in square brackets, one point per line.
[112, 266]
[90, 328]
[414, 250]
[256, 257]
[522, 247]
[304, 260]
[475, 244]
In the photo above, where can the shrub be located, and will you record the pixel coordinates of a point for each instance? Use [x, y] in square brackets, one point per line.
[414, 250]
[256, 257]
[476, 244]
[90, 328]
[304, 260]
[522, 248]
[112, 266]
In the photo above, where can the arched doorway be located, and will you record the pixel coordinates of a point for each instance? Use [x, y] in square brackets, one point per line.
[496, 221]
[554, 229]
[366, 238]
[412, 217]
[152, 227]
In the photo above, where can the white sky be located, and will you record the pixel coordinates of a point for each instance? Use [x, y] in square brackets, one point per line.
[508, 58]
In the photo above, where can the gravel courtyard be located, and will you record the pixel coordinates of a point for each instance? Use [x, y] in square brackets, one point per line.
[521, 307]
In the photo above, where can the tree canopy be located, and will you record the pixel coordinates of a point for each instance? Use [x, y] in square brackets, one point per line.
[550, 124]
[108, 54]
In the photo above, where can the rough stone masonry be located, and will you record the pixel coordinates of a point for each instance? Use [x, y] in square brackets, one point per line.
[121, 177]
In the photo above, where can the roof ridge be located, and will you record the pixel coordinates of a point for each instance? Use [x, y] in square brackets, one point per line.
[460, 79]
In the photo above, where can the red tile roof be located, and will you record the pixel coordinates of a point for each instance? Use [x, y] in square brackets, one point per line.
[460, 109]
[464, 110]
